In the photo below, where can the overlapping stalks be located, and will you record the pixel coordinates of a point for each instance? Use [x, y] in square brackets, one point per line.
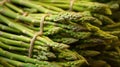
[87, 36]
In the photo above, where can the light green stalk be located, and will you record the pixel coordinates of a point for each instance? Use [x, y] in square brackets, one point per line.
[33, 5]
[2, 45]
[14, 7]
[5, 63]
[21, 57]
[18, 63]
[9, 29]
[48, 6]
[18, 37]
[16, 16]
[20, 44]
[31, 33]
[86, 6]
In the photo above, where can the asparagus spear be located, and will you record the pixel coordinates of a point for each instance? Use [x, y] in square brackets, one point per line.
[65, 40]
[77, 63]
[87, 6]
[101, 33]
[18, 63]
[33, 5]
[31, 33]
[30, 10]
[21, 57]
[2, 45]
[14, 15]
[48, 6]
[14, 7]
[18, 37]
[6, 64]
[89, 53]
[21, 44]
[6, 28]
[104, 19]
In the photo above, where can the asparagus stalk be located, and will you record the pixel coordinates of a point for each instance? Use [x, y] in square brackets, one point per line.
[31, 33]
[14, 15]
[89, 53]
[21, 44]
[21, 57]
[6, 64]
[18, 37]
[14, 7]
[9, 29]
[48, 6]
[104, 19]
[18, 63]
[30, 10]
[112, 26]
[2, 45]
[77, 63]
[65, 40]
[88, 6]
[33, 5]
[101, 33]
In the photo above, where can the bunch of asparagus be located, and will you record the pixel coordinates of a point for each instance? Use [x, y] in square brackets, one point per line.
[86, 36]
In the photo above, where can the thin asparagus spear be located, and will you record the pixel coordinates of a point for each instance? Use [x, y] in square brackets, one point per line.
[112, 26]
[104, 19]
[77, 63]
[48, 6]
[89, 53]
[33, 5]
[30, 10]
[65, 40]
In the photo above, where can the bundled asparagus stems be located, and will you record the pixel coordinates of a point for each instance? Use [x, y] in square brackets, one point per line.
[86, 36]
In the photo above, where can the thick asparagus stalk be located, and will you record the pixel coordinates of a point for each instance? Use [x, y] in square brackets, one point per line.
[21, 44]
[14, 15]
[21, 57]
[14, 7]
[5, 63]
[2, 45]
[18, 37]
[18, 63]
[9, 29]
